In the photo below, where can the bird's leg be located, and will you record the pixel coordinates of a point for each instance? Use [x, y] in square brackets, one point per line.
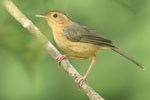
[82, 79]
[60, 58]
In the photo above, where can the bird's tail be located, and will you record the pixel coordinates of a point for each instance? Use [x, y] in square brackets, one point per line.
[126, 56]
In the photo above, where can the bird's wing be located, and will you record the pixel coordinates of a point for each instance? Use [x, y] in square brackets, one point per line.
[78, 33]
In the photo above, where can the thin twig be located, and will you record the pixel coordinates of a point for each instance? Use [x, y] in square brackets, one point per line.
[26, 23]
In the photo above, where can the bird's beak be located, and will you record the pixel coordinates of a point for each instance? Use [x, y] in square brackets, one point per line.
[41, 16]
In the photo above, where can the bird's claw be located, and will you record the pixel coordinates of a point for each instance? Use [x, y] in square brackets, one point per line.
[81, 81]
[60, 58]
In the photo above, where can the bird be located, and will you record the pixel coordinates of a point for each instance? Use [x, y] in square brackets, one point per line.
[79, 41]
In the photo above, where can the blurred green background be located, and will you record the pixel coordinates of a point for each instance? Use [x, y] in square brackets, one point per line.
[28, 72]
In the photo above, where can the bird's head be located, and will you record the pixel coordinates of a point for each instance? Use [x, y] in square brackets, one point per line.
[56, 18]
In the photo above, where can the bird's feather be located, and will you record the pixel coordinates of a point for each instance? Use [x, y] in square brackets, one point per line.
[78, 33]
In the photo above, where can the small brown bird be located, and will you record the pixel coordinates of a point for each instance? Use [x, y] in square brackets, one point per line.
[78, 41]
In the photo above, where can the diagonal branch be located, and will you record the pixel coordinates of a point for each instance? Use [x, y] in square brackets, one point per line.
[26, 23]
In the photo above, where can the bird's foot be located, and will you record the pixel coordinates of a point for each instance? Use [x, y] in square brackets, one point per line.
[60, 58]
[81, 80]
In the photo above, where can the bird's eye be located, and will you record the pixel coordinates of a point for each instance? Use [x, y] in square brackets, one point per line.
[55, 15]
